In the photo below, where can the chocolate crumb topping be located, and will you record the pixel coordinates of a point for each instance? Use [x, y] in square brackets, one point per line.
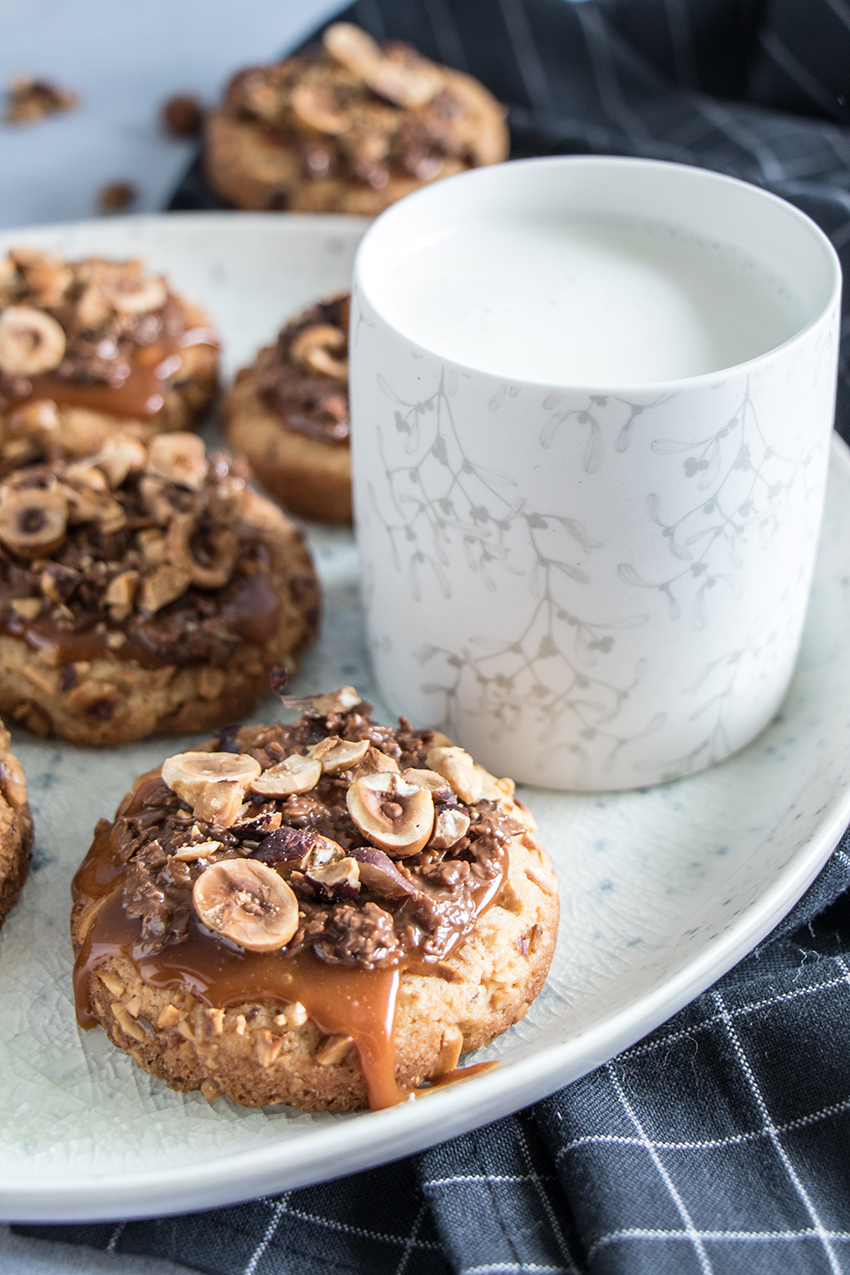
[304, 376]
[355, 110]
[358, 904]
[137, 553]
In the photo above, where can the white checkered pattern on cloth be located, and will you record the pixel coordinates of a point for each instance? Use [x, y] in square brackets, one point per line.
[721, 1143]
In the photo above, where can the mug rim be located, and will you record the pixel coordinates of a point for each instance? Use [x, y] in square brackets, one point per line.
[441, 191]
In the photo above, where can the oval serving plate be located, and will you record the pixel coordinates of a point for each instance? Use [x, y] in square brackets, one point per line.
[662, 890]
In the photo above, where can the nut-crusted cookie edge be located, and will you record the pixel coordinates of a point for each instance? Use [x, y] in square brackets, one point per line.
[16, 827]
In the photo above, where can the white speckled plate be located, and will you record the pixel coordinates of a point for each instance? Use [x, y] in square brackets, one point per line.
[663, 889]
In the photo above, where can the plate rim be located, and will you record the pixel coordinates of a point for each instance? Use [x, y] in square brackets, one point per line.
[333, 1150]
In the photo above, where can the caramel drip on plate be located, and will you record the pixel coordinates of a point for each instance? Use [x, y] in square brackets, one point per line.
[142, 393]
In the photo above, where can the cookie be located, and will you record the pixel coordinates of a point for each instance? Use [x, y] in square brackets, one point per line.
[15, 826]
[288, 414]
[145, 588]
[326, 913]
[349, 127]
[88, 347]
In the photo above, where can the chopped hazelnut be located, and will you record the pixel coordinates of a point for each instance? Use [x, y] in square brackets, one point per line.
[169, 1016]
[28, 100]
[182, 115]
[116, 196]
[333, 1049]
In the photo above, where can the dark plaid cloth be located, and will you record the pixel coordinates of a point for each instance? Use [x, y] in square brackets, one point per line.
[721, 1143]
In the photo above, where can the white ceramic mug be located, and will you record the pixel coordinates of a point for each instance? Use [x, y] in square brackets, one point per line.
[589, 585]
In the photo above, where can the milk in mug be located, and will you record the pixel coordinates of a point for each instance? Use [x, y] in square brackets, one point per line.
[586, 300]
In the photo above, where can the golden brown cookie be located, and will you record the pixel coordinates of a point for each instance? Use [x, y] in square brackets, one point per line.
[349, 127]
[15, 826]
[145, 589]
[88, 347]
[288, 414]
[326, 913]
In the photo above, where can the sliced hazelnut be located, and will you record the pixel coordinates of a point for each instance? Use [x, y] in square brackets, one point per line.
[379, 873]
[27, 608]
[299, 848]
[352, 47]
[35, 419]
[268, 1046]
[339, 880]
[179, 458]
[509, 899]
[504, 996]
[396, 816]
[92, 307]
[250, 825]
[223, 546]
[295, 1014]
[13, 782]
[154, 546]
[58, 584]
[542, 876]
[169, 1017]
[33, 521]
[132, 292]
[46, 276]
[112, 517]
[313, 348]
[120, 592]
[332, 1050]
[450, 1050]
[30, 341]
[165, 585]
[84, 505]
[203, 850]
[338, 701]
[248, 903]
[83, 474]
[190, 774]
[339, 754]
[219, 803]
[373, 761]
[449, 826]
[429, 779]
[155, 500]
[470, 781]
[118, 456]
[292, 775]
[404, 84]
[318, 110]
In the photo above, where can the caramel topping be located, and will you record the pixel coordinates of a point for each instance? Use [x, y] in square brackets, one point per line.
[140, 395]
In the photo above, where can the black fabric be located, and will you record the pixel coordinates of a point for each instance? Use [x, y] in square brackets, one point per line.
[721, 1143]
